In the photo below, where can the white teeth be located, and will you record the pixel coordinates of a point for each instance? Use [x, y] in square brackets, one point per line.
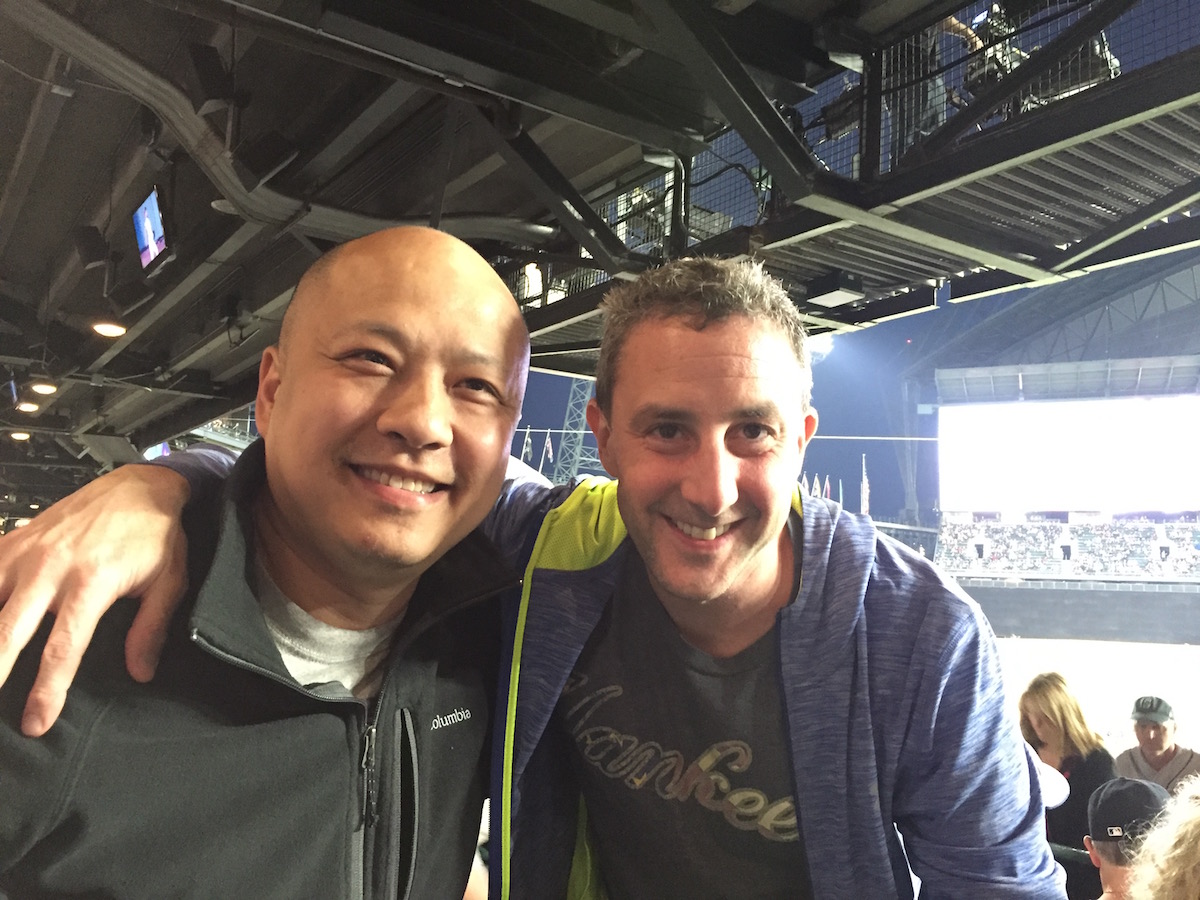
[702, 534]
[404, 484]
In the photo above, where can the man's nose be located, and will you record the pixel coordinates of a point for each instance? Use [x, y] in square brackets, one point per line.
[418, 410]
[710, 478]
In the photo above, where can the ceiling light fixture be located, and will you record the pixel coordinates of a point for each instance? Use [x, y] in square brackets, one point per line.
[19, 435]
[109, 329]
[835, 288]
[44, 387]
[28, 406]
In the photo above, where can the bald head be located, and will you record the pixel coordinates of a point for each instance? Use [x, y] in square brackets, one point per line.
[386, 258]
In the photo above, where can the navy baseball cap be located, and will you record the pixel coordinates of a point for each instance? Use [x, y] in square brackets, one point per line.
[1124, 808]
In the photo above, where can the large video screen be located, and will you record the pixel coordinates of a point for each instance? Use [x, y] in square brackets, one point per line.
[1136, 454]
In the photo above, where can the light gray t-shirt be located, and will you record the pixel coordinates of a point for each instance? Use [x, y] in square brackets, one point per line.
[315, 652]
[683, 759]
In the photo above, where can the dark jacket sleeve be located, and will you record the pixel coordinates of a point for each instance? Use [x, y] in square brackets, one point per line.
[37, 775]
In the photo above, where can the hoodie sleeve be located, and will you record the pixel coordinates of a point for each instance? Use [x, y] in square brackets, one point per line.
[204, 468]
[513, 523]
[967, 800]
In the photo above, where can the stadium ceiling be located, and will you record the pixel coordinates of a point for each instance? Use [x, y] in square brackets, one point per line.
[277, 128]
[1147, 308]
[1070, 380]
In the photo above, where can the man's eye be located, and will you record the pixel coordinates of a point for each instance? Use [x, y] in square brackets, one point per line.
[481, 385]
[667, 431]
[756, 431]
[371, 356]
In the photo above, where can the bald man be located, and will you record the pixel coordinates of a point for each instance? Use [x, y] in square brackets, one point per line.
[317, 727]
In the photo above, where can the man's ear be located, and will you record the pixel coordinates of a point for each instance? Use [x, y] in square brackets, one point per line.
[598, 422]
[810, 425]
[1090, 847]
[269, 377]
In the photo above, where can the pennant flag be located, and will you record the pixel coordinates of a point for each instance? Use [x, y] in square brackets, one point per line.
[803, 483]
[816, 488]
[549, 448]
[865, 504]
[841, 502]
[828, 495]
[527, 447]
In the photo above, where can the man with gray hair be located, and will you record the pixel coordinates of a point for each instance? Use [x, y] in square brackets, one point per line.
[716, 686]
[1158, 757]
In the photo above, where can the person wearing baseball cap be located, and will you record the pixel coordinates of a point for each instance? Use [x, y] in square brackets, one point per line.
[1120, 812]
[1157, 757]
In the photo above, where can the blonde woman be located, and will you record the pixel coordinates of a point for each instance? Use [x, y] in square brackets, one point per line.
[1053, 724]
[1167, 866]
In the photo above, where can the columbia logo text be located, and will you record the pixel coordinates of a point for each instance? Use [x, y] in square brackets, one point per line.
[450, 718]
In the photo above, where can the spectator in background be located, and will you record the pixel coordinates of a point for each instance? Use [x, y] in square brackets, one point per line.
[1053, 724]
[1120, 812]
[917, 97]
[1167, 866]
[1157, 757]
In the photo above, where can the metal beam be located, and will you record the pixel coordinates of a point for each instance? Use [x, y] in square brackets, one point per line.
[196, 414]
[767, 41]
[39, 130]
[1181, 198]
[468, 53]
[944, 241]
[568, 347]
[566, 204]
[342, 147]
[577, 307]
[1157, 240]
[240, 16]
[690, 26]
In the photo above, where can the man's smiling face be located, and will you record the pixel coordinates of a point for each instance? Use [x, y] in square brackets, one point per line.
[707, 437]
[389, 406]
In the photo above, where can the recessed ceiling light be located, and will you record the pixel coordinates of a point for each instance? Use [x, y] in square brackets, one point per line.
[45, 388]
[19, 435]
[27, 406]
[35, 506]
[20, 523]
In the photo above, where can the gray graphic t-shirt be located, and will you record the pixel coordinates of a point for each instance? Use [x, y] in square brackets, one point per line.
[682, 759]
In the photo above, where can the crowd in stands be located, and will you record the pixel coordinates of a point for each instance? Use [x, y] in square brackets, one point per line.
[1124, 829]
[1123, 550]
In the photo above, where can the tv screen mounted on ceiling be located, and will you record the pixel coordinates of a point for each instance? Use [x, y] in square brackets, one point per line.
[153, 241]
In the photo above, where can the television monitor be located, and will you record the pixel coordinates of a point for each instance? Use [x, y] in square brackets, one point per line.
[153, 240]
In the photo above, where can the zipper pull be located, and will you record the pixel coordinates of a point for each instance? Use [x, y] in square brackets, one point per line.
[370, 810]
